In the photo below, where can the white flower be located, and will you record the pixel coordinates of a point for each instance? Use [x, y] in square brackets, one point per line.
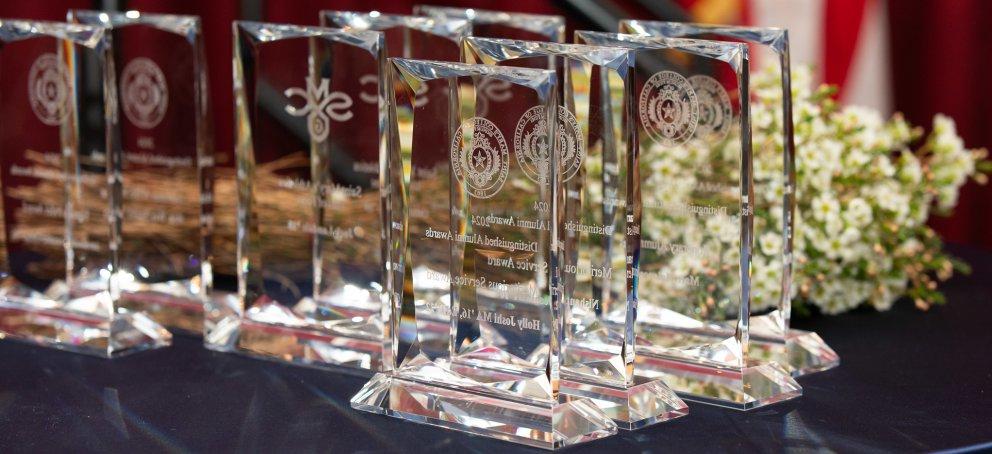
[858, 212]
[825, 207]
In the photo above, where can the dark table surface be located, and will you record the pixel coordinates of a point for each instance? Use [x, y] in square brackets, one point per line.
[908, 381]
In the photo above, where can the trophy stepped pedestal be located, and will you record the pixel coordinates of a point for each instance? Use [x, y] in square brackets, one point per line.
[272, 331]
[645, 403]
[547, 425]
[801, 352]
[173, 304]
[744, 388]
[124, 333]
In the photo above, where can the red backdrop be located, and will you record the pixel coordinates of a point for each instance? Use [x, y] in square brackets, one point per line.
[940, 61]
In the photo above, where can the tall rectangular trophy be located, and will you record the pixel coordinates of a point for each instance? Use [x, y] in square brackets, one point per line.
[419, 37]
[479, 346]
[500, 24]
[800, 352]
[166, 143]
[311, 198]
[696, 202]
[60, 173]
[598, 257]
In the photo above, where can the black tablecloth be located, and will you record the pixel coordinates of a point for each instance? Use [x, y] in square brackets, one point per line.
[908, 381]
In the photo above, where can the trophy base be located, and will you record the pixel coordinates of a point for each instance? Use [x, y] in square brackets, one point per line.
[745, 388]
[802, 352]
[127, 332]
[180, 312]
[356, 348]
[645, 403]
[571, 421]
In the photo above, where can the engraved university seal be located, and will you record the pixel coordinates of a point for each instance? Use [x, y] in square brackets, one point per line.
[480, 157]
[530, 143]
[668, 108]
[144, 93]
[48, 89]
[715, 113]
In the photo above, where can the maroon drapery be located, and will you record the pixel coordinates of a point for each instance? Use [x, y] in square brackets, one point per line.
[940, 61]
[941, 64]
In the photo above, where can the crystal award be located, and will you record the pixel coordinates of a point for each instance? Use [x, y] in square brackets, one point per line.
[417, 37]
[696, 192]
[800, 352]
[500, 24]
[598, 358]
[60, 174]
[472, 224]
[310, 208]
[167, 156]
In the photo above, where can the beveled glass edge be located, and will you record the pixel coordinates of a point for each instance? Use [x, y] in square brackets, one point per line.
[733, 53]
[774, 37]
[737, 56]
[497, 50]
[552, 26]
[85, 35]
[536, 79]
[451, 28]
[267, 32]
[188, 26]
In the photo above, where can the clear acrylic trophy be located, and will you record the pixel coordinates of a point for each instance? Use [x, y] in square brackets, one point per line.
[500, 24]
[407, 36]
[696, 205]
[597, 263]
[167, 156]
[60, 171]
[479, 348]
[800, 352]
[311, 198]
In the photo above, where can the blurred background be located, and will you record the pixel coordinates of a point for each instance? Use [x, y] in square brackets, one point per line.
[918, 57]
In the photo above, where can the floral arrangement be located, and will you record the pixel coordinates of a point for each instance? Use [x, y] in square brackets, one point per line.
[864, 194]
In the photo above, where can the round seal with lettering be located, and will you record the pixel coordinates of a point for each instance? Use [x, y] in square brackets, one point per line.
[668, 108]
[530, 144]
[480, 157]
[144, 93]
[48, 89]
[715, 113]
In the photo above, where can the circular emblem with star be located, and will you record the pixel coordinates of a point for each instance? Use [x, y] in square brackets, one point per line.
[715, 113]
[668, 108]
[144, 93]
[48, 89]
[530, 144]
[480, 157]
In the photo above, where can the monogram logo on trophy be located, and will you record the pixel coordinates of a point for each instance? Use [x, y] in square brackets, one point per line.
[715, 113]
[322, 106]
[144, 93]
[480, 157]
[668, 108]
[530, 141]
[48, 89]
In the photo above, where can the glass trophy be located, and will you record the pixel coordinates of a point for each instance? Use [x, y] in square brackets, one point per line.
[598, 357]
[166, 164]
[479, 348]
[500, 24]
[407, 36]
[799, 352]
[311, 204]
[696, 192]
[60, 177]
